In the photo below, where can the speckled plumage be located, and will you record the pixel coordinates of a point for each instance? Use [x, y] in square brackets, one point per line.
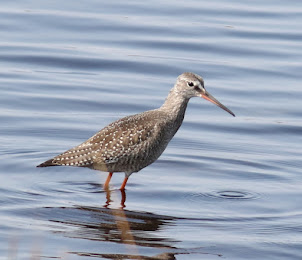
[133, 142]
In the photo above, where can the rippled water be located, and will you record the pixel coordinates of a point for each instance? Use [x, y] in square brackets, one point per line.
[225, 187]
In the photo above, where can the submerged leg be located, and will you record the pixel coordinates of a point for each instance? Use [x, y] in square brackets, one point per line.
[124, 183]
[106, 184]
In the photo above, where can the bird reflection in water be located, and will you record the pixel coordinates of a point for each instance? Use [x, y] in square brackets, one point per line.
[114, 223]
[109, 200]
[121, 220]
[124, 221]
[120, 233]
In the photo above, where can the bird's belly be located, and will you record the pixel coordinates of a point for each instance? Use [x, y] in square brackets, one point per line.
[132, 162]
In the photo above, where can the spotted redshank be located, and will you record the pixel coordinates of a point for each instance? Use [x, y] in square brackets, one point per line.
[133, 142]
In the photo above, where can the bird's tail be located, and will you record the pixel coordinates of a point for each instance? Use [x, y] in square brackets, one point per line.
[49, 162]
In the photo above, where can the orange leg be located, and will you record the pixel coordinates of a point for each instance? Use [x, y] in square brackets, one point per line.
[124, 183]
[106, 184]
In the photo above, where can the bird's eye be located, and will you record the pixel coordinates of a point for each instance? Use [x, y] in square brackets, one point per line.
[190, 84]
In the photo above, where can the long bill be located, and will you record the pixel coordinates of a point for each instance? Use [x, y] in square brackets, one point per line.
[210, 98]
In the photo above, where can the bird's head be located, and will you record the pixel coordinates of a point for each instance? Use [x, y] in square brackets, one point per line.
[192, 85]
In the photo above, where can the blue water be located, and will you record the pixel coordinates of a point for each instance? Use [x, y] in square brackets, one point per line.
[225, 188]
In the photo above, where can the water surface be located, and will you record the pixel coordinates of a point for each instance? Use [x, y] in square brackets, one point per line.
[224, 188]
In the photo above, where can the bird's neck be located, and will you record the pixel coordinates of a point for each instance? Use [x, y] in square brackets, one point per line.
[175, 106]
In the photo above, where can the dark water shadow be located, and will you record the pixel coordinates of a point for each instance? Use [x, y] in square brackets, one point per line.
[131, 231]
[164, 256]
[113, 225]
[128, 230]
